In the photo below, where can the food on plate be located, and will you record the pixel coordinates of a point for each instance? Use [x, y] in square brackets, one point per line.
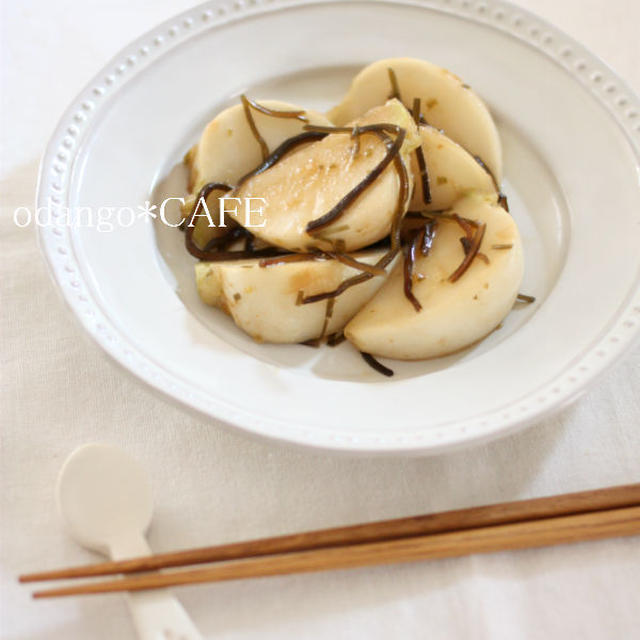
[456, 308]
[264, 296]
[382, 223]
[453, 172]
[446, 102]
[303, 193]
[228, 148]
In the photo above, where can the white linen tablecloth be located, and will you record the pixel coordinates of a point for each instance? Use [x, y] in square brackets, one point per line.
[214, 485]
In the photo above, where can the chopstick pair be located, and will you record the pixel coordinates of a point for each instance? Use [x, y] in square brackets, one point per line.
[587, 515]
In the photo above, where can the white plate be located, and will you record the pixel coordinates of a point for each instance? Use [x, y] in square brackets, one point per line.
[571, 134]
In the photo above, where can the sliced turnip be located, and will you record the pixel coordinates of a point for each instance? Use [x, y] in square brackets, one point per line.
[455, 314]
[265, 301]
[308, 183]
[228, 149]
[453, 172]
[446, 103]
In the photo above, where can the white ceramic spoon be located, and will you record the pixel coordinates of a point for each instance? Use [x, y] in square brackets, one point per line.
[105, 499]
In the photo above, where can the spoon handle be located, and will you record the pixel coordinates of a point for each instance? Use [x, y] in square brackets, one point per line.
[157, 615]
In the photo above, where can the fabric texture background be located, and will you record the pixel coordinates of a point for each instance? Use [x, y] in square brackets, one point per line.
[212, 485]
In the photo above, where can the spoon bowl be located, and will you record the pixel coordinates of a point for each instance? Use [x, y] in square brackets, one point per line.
[103, 495]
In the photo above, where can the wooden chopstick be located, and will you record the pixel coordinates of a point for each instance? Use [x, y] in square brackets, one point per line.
[534, 533]
[461, 519]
